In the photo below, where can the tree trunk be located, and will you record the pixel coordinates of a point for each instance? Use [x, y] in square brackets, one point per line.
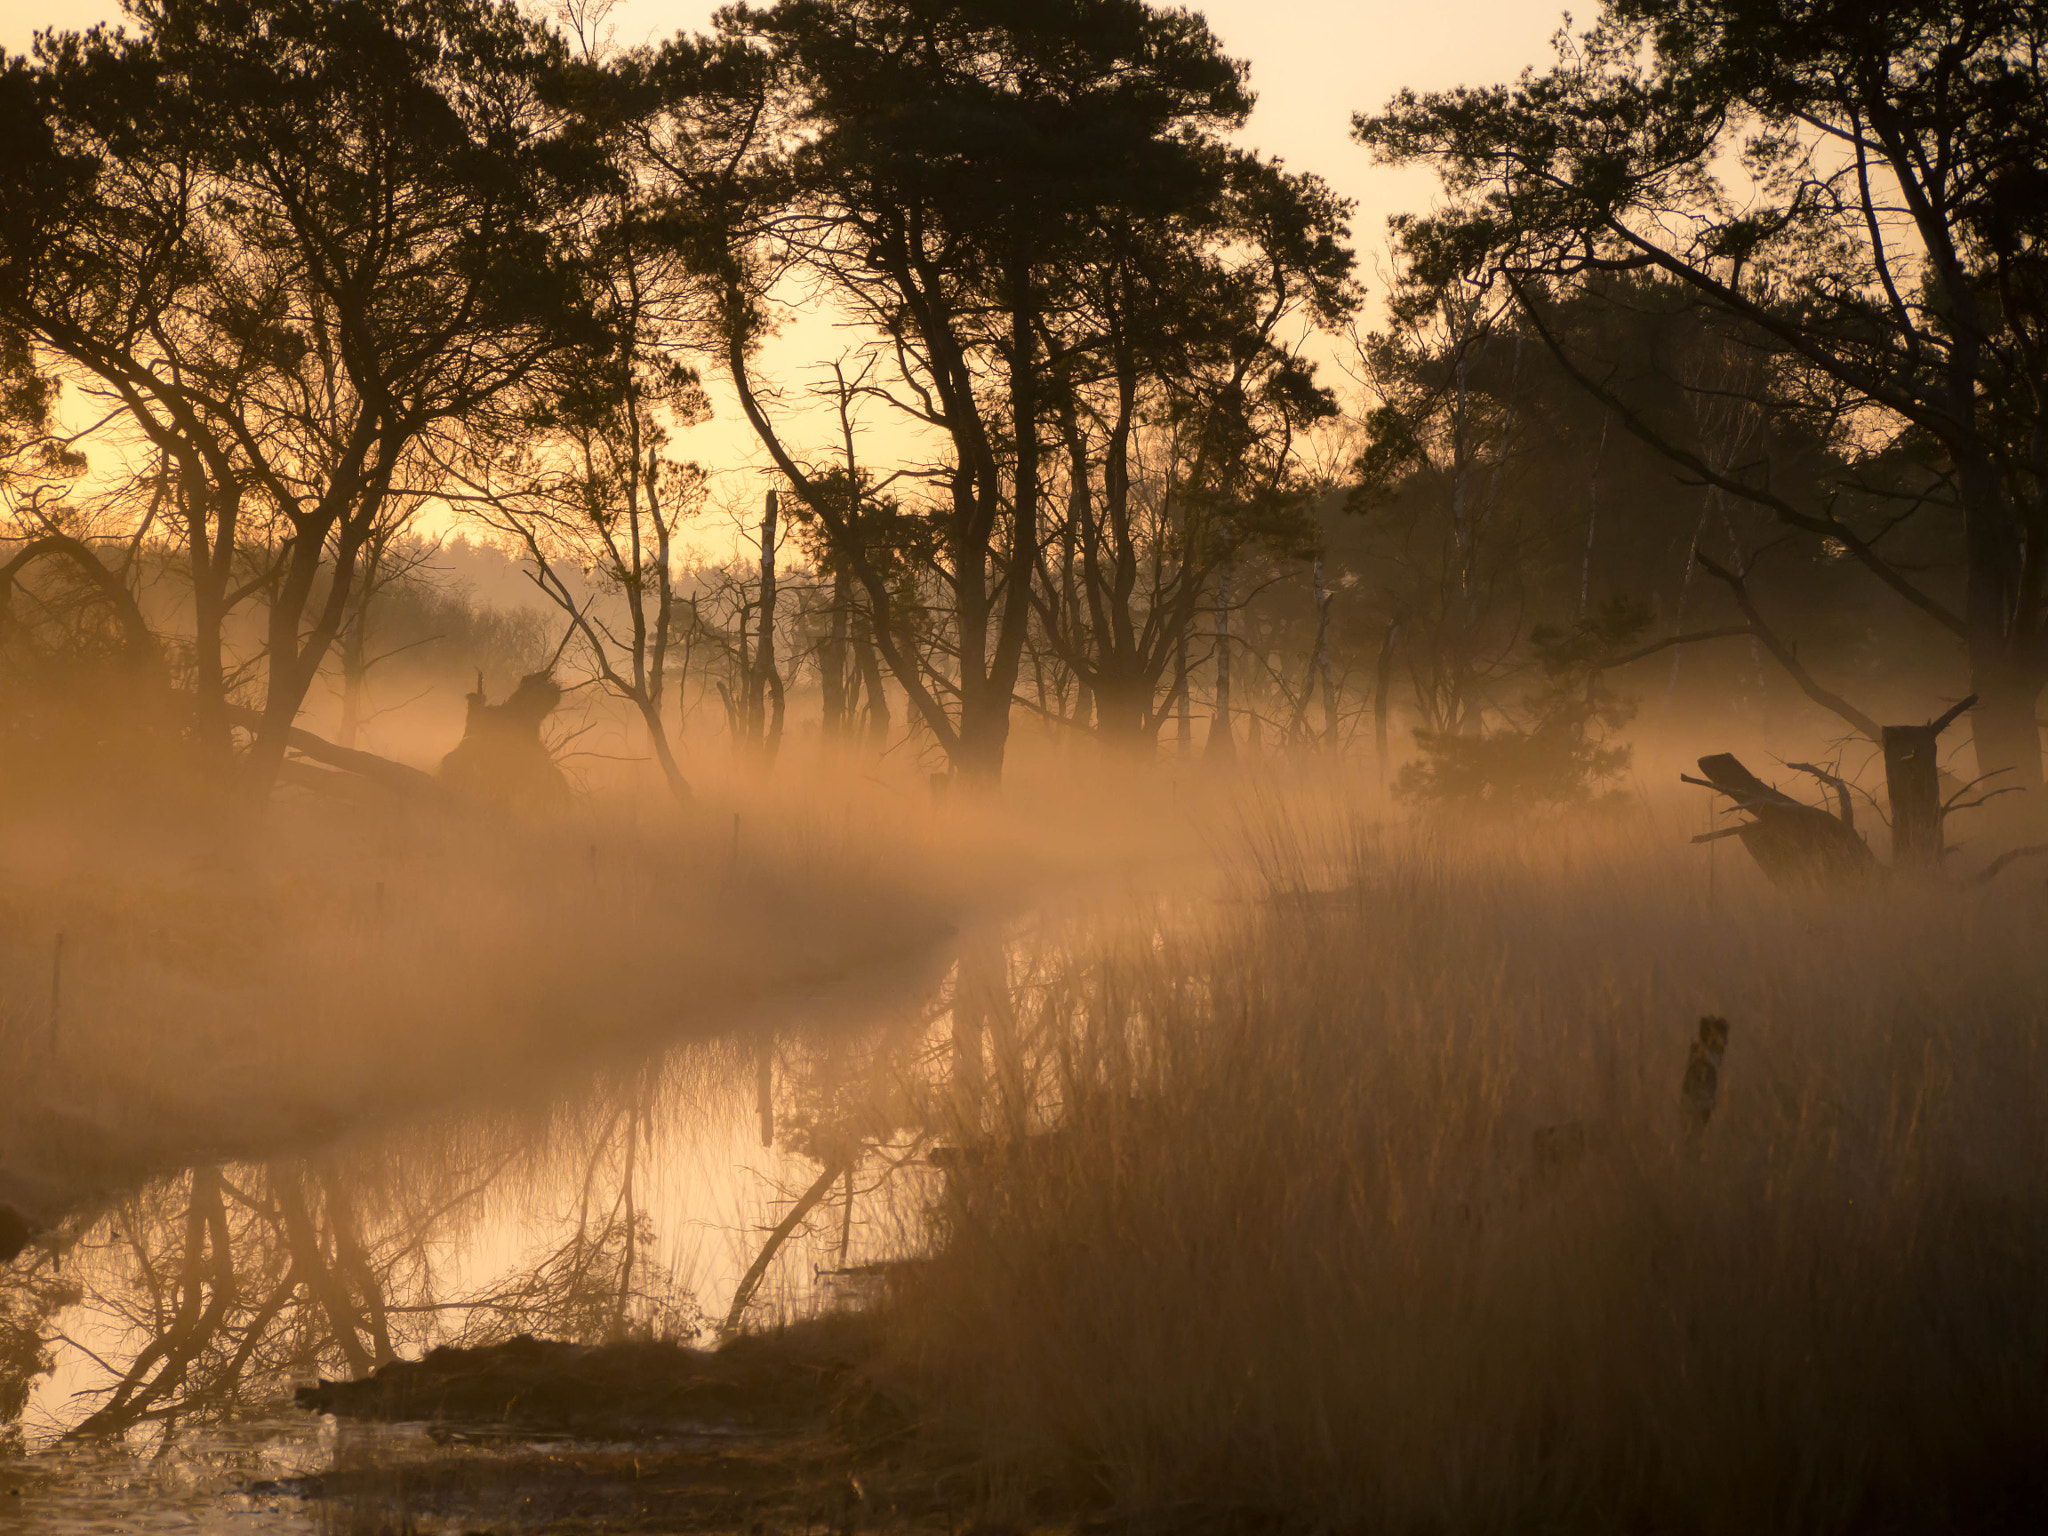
[2006, 727]
[671, 770]
[1221, 745]
[832, 663]
[1382, 695]
[355, 647]
[989, 672]
[984, 733]
[353, 681]
[764, 645]
[1184, 733]
[210, 563]
[871, 683]
[1070, 598]
[1323, 659]
[1912, 781]
[1912, 777]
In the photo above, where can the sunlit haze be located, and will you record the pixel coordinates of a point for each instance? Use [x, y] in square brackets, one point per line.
[828, 791]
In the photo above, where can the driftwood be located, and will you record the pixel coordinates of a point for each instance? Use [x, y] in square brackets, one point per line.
[1793, 843]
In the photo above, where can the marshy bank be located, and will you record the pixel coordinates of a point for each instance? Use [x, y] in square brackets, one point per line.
[1393, 1202]
[1365, 1183]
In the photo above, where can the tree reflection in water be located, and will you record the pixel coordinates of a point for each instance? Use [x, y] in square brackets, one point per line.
[207, 1294]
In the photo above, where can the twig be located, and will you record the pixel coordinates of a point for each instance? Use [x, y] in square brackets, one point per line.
[1954, 713]
[1716, 836]
[1725, 632]
[751, 1281]
[1971, 805]
[1982, 778]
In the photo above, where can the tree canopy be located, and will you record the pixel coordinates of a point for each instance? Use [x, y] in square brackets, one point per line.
[1856, 189]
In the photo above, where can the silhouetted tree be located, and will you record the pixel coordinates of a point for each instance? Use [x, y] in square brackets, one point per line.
[286, 243]
[942, 168]
[1883, 242]
[1193, 320]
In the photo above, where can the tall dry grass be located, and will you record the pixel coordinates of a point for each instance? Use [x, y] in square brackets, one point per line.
[1293, 1260]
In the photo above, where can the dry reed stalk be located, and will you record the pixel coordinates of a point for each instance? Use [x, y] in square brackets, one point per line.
[1308, 1272]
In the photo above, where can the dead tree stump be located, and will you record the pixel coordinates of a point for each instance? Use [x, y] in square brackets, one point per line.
[501, 757]
[1912, 779]
[1796, 844]
[1914, 787]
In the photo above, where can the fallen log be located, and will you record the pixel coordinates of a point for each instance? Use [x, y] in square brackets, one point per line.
[401, 777]
[1794, 844]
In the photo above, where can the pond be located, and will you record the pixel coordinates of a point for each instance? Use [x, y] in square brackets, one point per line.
[707, 1187]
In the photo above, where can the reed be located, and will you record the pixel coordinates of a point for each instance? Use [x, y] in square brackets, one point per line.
[1305, 1251]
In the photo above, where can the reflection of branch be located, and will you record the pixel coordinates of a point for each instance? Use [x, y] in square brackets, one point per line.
[751, 1282]
[252, 1336]
[1768, 638]
[350, 1259]
[192, 1328]
[322, 1284]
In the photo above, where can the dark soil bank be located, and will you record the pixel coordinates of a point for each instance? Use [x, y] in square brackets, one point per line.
[783, 1431]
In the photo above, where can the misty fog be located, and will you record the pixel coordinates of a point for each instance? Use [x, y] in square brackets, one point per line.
[837, 773]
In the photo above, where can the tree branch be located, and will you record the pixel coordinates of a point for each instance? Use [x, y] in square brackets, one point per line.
[1769, 640]
[1826, 527]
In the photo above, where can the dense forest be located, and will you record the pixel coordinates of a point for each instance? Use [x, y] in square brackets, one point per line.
[1719, 369]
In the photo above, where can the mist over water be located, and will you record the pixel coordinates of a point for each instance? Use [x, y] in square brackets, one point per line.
[798, 780]
[1294, 1078]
